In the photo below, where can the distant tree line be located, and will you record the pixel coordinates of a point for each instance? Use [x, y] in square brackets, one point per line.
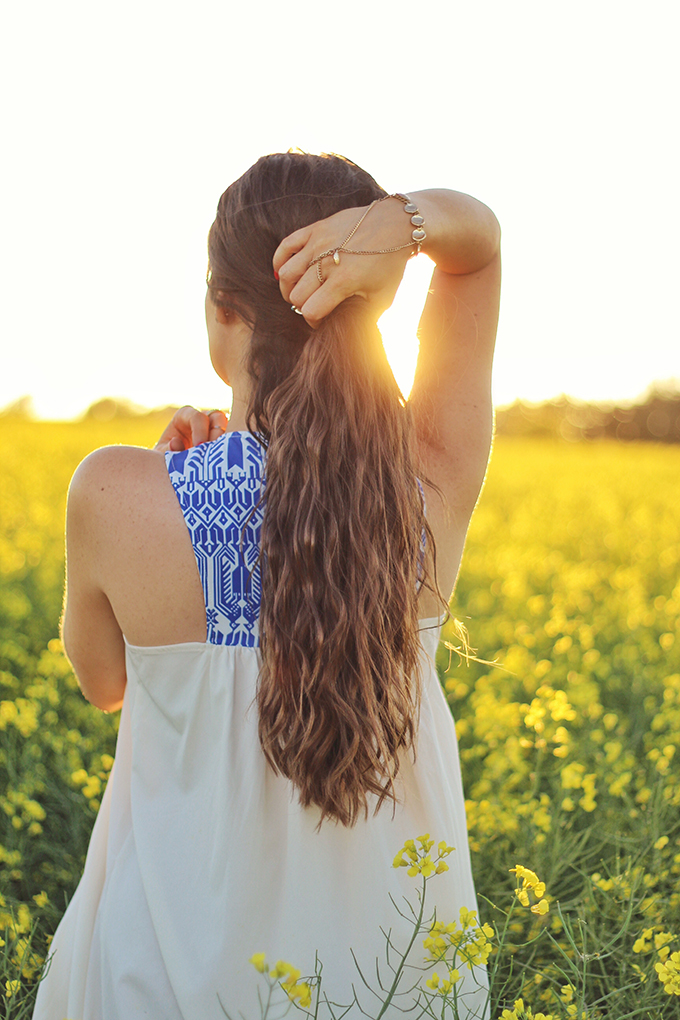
[654, 418]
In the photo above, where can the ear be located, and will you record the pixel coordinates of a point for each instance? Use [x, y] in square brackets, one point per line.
[223, 315]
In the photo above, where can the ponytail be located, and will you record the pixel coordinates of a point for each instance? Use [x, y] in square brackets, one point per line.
[339, 688]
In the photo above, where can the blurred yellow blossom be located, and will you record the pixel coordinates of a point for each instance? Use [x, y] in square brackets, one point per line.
[12, 988]
[259, 962]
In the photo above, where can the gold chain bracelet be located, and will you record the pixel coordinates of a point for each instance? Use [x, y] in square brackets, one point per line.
[418, 235]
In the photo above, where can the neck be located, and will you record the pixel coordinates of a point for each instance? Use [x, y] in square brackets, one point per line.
[237, 418]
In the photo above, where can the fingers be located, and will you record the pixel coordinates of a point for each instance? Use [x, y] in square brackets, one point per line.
[190, 427]
[218, 424]
[290, 246]
[316, 300]
[293, 272]
[303, 289]
[298, 275]
[322, 302]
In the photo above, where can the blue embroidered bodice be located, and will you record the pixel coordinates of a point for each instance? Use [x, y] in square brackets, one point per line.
[218, 486]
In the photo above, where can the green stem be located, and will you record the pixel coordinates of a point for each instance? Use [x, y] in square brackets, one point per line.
[269, 998]
[400, 968]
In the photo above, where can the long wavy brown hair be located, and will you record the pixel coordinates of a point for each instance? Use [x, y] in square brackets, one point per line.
[344, 528]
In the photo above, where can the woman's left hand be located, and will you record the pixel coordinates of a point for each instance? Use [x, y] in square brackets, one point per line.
[375, 277]
[190, 427]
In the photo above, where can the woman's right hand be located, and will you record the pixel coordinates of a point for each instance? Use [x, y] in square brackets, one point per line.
[189, 427]
[373, 277]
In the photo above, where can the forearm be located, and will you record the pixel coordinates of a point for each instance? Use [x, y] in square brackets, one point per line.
[463, 235]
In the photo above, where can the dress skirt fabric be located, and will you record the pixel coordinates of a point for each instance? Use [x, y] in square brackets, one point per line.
[200, 857]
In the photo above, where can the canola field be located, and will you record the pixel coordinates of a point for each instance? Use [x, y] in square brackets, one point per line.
[568, 720]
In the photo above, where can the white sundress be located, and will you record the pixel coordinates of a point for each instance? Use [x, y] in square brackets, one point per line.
[201, 857]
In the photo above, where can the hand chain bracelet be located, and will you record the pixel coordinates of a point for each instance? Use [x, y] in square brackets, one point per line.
[418, 235]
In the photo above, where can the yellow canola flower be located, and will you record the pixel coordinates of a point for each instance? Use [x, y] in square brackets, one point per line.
[8, 713]
[662, 939]
[418, 860]
[11, 988]
[522, 1012]
[93, 787]
[669, 974]
[302, 992]
[285, 970]
[423, 867]
[426, 842]
[530, 884]
[291, 978]
[642, 945]
[467, 917]
[259, 962]
[443, 986]
[529, 878]
[470, 942]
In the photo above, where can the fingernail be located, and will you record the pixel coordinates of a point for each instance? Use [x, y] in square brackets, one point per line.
[276, 275]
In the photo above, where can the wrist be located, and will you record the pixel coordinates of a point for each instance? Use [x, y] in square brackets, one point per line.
[463, 235]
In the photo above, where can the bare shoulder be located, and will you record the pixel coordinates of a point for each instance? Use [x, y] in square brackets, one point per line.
[113, 463]
[115, 472]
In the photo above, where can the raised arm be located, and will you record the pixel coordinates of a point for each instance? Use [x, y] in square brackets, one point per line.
[451, 394]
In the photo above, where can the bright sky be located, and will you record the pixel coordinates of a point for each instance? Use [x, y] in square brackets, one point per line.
[125, 121]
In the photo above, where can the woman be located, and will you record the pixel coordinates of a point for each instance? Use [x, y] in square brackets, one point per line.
[283, 731]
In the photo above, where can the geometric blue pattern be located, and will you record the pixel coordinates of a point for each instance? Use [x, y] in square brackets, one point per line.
[218, 485]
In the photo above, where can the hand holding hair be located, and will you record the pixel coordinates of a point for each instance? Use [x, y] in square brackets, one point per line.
[458, 232]
[315, 277]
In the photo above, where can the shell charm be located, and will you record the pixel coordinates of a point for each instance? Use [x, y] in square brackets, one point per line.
[336, 257]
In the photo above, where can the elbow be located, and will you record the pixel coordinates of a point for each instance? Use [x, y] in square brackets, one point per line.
[107, 701]
[98, 667]
[104, 688]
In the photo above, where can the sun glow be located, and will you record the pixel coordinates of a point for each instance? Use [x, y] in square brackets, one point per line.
[399, 324]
